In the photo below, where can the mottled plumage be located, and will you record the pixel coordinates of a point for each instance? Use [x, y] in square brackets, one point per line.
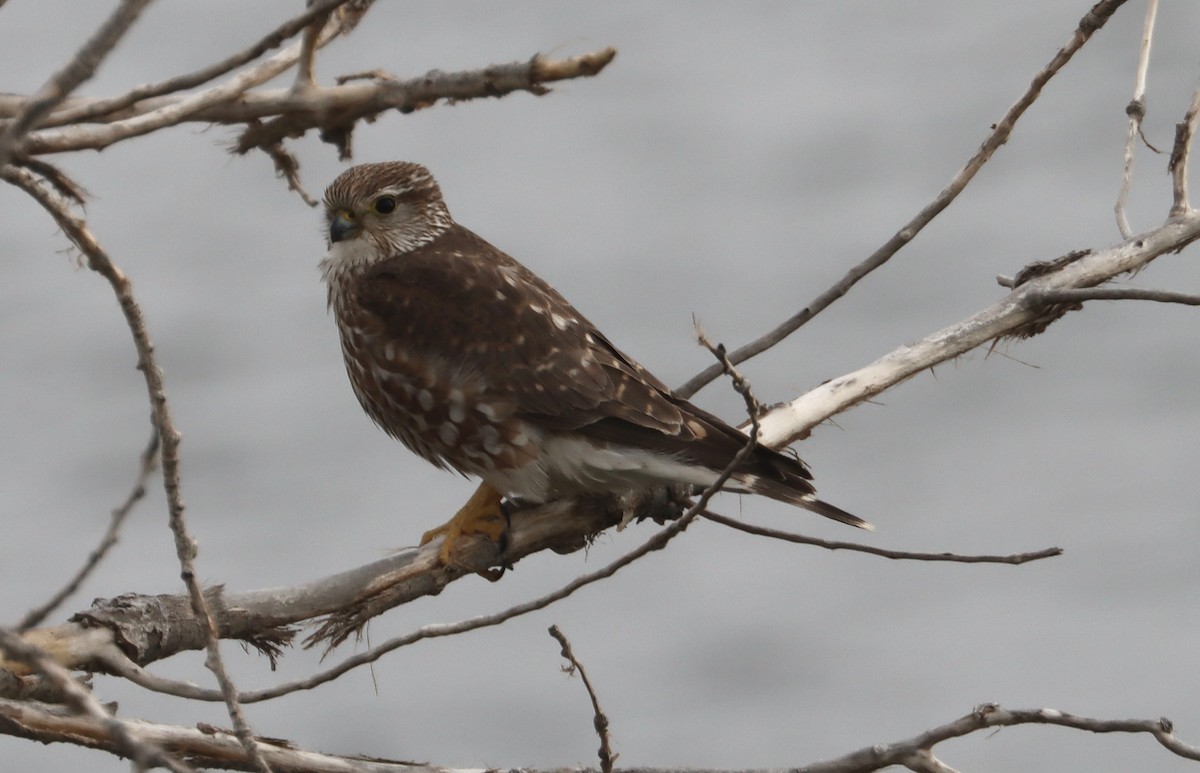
[476, 364]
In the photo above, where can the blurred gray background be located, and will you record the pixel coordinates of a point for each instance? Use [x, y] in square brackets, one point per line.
[732, 162]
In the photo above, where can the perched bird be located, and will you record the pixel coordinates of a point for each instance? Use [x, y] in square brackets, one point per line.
[477, 364]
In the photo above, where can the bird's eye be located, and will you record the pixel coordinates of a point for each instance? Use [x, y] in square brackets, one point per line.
[385, 205]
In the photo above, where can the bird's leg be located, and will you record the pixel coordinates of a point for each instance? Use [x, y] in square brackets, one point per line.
[481, 514]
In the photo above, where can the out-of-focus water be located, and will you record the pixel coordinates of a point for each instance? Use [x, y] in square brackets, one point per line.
[732, 162]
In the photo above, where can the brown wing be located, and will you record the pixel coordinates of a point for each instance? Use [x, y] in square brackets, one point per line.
[460, 300]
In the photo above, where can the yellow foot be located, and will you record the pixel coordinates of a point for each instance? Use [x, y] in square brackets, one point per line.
[480, 515]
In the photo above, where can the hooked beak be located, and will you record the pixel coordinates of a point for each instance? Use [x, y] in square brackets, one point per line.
[342, 226]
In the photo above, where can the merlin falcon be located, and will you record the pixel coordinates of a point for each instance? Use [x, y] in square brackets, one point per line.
[478, 365]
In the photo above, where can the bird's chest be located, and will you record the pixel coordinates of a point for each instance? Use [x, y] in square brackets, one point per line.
[436, 405]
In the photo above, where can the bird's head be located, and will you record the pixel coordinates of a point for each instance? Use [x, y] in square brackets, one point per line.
[376, 211]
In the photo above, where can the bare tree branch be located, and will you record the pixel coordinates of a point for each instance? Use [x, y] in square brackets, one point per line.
[166, 111]
[989, 715]
[794, 420]
[762, 531]
[342, 629]
[1088, 25]
[120, 639]
[1112, 294]
[150, 628]
[204, 746]
[80, 68]
[217, 749]
[1136, 110]
[347, 621]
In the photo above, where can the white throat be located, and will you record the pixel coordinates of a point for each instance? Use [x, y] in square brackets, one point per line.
[347, 257]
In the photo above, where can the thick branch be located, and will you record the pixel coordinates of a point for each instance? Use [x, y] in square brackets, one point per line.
[326, 107]
[80, 698]
[150, 628]
[793, 421]
[599, 718]
[204, 746]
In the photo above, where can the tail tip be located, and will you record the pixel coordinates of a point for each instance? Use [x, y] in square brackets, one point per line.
[821, 507]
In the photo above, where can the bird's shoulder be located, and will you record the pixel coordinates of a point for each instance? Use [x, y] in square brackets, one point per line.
[461, 298]
[460, 286]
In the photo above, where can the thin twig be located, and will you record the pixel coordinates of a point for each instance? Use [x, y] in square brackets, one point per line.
[78, 69]
[1184, 131]
[99, 261]
[149, 458]
[1091, 22]
[81, 699]
[1136, 110]
[306, 64]
[52, 176]
[795, 419]
[167, 111]
[754, 408]
[800, 539]
[203, 745]
[599, 718]
[990, 715]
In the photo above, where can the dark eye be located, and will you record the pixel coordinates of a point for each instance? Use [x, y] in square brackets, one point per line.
[385, 204]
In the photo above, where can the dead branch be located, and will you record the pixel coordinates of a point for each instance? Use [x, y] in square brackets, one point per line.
[88, 110]
[144, 753]
[1184, 131]
[599, 719]
[80, 68]
[218, 749]
[1136, 110]
[204, 746]
[800, 539]
[913, 751]
[1112, 294]
[794, 420]
[324, 107]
